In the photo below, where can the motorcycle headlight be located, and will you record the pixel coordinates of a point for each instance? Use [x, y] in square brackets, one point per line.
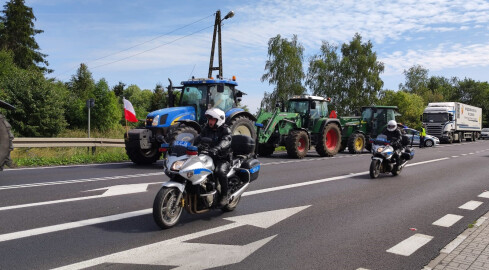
[177, 165]
[380, 149]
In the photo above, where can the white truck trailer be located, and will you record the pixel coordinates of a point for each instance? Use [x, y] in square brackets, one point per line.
[453, 121]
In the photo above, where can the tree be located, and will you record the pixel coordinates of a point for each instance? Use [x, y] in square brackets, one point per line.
[39, 102]
[410, 106]
[140, 100]
[352, 81]
[159, 99]
[416, 80]
[106, 113]
[81, 87]
[17, 35]
[119, 89]
[284, 69]
[476, 94]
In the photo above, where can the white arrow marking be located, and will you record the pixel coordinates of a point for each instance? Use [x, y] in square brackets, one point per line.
[160, 253]
[111, 191]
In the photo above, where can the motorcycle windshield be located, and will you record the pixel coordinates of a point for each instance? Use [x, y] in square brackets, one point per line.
[180, 144]
[381, 139]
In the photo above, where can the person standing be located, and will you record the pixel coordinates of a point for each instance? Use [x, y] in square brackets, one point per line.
[422, 135]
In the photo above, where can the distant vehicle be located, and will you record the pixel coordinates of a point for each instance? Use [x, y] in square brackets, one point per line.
[452, 121]
[429, 141]
[485, 133]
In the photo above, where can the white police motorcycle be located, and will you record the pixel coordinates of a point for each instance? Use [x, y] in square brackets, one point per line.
[383, 153]
[192, 183]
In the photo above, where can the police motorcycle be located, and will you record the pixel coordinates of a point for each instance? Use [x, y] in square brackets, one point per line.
[383, 160]
[192, 183]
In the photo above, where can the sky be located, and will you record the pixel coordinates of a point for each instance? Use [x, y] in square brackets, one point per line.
[144, 43]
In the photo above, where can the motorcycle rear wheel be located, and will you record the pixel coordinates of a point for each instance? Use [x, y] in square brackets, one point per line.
[166, 209]
[375, 168]
[232, 205]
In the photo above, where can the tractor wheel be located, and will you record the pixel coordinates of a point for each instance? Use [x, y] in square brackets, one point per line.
[179, 130]
[6, 145]
[330, 142]
[297, 144]
[265, 149]
[356, 143]
[141, 156]
[242, 125]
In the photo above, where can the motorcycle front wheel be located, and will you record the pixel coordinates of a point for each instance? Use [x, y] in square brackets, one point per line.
[375, 168]
[167, 208]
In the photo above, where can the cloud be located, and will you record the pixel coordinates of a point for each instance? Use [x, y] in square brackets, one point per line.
[444, 56]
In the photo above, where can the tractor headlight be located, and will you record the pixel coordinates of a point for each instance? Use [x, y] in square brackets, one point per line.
[177, 165]
[156, 120]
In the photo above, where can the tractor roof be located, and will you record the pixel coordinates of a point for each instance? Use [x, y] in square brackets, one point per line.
[308, 97]
[209, 81]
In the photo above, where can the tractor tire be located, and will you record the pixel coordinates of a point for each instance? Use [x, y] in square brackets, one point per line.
[330, 142]
[179, 130]
[297, 144]
[356, 143]
[141, 156]
[241, 125]
[6, 145]
[265, 150]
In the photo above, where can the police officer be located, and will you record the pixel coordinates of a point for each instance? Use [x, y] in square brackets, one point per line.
[394, 135]
[220, 150]
[422, 135]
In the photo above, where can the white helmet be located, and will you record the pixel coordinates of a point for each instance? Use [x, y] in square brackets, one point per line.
[391, 125]
[216, 114]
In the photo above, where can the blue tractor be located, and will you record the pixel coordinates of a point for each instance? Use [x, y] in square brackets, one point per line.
[196, 96]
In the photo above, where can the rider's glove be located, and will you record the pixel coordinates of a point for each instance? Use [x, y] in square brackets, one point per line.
[213, 152]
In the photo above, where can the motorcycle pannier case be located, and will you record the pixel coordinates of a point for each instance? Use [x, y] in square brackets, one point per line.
[242, 145]
[252, 165]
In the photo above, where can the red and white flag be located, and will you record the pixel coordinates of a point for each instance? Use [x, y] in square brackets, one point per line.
[129, 112]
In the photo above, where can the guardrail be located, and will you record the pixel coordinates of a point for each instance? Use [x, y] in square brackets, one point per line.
[67, 142]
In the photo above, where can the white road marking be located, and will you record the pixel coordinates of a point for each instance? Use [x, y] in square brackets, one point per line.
[455, 156]
[484, 194]
[471, 153]
[480, 221]
[67, 166]
[410, 245]
[454, 244]
[471, 205]
[111, 191]
[82, 180]
[425, 162]
[157, 253]
[464, 154]
[447, 220]
[72, 225]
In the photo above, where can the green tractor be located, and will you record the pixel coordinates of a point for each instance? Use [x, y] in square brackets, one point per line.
[304, 123]
[358, 130]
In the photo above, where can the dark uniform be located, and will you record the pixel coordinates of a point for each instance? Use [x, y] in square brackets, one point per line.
[220, 152]
[395, 138]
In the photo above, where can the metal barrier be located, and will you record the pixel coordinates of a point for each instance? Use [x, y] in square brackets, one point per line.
[67, 142]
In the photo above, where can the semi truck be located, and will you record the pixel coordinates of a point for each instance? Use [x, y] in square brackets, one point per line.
[452, 121]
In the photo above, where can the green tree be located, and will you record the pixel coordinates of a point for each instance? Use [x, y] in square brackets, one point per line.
[39, 102]
[17, 35]
[475, 93]
[159, 99]
[283, 69]
[352, 81]
[416, 81]
[410, 106]
[119, 89]
[140, 100]
[81, 88]
[106, 113]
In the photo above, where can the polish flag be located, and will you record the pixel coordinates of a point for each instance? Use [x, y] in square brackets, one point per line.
[129, 112]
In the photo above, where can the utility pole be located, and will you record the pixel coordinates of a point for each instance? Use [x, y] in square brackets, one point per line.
[217, 31]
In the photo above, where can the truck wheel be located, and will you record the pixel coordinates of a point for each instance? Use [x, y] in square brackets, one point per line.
[297, 144]
[242, 125]
[356, 143]
[265, 149]
[330, 142]
[141, 156]
[6, 145]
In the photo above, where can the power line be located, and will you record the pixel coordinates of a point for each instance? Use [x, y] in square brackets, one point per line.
[137, 45]
[164, 44]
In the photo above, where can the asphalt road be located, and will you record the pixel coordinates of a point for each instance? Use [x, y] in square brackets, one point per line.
[315, 213]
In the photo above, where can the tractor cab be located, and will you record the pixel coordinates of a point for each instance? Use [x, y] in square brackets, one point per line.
[310, 108]
[377, 117]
